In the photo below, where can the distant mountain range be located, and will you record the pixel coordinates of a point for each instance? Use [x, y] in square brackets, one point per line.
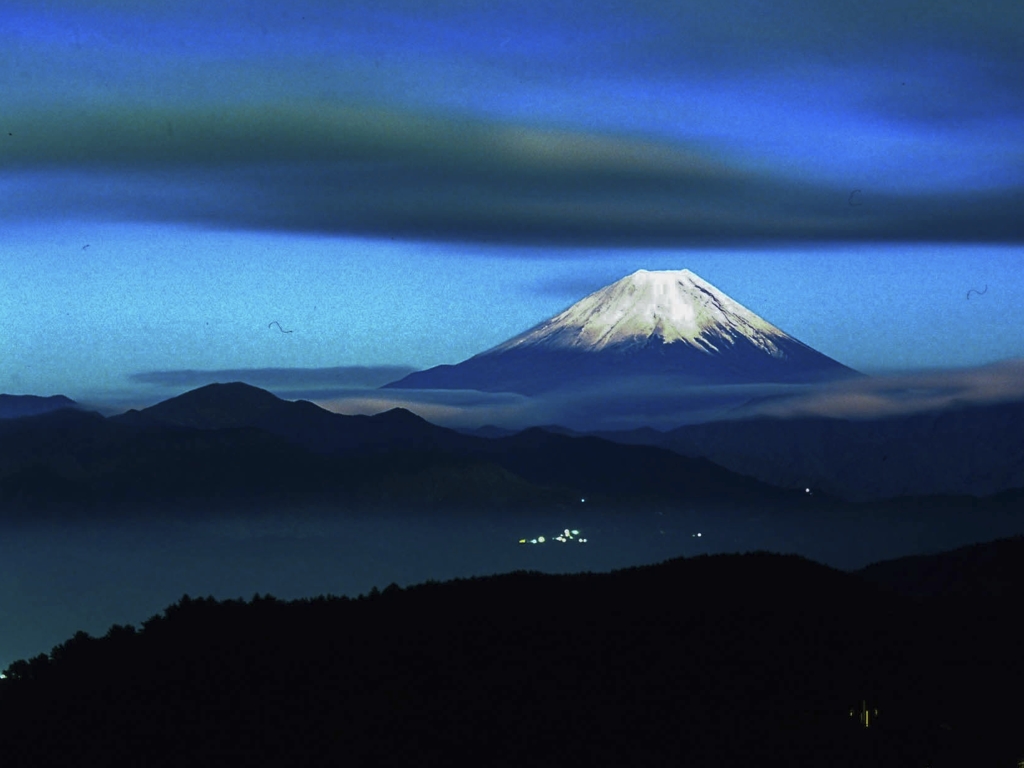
[234, 441]
[648, 324]
[16, 406]
[973, 450]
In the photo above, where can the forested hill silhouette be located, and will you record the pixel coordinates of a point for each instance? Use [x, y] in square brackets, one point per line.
[725, 660]
[992, 570]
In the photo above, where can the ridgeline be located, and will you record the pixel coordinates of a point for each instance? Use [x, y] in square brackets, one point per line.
[727, 660]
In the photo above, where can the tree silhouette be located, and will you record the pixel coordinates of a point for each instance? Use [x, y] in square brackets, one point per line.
[707, 661]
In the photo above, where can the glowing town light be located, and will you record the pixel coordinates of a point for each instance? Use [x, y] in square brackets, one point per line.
[865, 714]
[566, 535]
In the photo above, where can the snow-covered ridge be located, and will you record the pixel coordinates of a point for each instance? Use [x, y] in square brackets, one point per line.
[670, 306]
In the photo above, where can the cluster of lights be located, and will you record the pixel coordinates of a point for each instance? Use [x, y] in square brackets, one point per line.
[568, 535]
[564, 536]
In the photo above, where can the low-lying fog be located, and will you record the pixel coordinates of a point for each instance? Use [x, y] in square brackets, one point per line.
[57, 579]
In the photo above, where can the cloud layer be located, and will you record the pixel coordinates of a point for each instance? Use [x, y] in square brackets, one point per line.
[625, 403]
[638, 123]
[898, 395]
[372, 172]
[658, 403]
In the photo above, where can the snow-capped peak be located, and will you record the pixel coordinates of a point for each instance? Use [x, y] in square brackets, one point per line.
[670, 306]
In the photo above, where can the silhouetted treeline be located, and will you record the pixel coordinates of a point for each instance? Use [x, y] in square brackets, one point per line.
[753, 659]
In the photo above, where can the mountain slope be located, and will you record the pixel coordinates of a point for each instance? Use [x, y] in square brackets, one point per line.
[17, 406]
[753, 659]
[646, 324]
[234, 441]
[973, 449]
[219, 406]
[668, 306]
[990, 570]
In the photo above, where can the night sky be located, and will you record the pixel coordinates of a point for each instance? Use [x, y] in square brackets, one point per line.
[317, 197]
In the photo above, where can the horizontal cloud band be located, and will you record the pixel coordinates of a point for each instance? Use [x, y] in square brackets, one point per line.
[311, 168]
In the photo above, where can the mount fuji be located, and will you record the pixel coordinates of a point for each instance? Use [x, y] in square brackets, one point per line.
[648, 324]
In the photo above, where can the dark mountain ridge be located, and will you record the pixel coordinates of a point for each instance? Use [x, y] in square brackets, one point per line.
[967, 450]
[228, 441]
[979, 572]
[217, 406]
[711, 661]
[17, 406]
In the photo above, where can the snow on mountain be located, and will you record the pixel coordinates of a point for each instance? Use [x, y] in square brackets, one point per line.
[646, 324]
[669, 306]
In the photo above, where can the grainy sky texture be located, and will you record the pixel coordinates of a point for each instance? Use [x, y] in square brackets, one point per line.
[407, 184]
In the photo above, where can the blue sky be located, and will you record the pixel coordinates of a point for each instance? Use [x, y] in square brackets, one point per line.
[407, 184]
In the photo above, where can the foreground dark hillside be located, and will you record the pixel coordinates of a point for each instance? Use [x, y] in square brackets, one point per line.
[992, 570]
[713, 661]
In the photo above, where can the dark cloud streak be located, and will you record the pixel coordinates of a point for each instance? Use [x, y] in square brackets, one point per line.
[382, 173]
[280, 118]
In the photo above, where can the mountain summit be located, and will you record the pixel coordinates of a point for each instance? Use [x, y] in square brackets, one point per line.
[646, 324]
[651, 307]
